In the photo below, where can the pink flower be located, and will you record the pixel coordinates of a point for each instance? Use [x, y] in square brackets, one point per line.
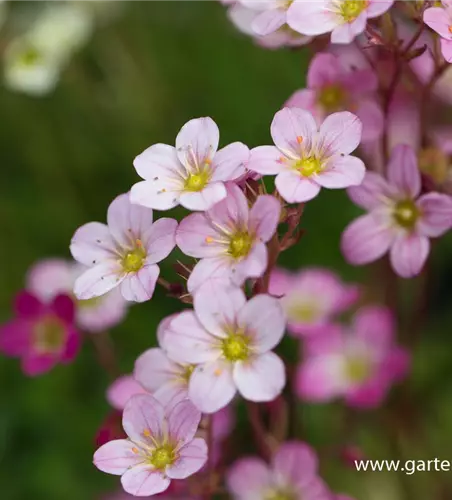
[122, 389]
[399, 220]
[50, 277]
[345, 19]
[305, 158]
[42, 335]
[440, 20]
[230, 340]
[229, 238]
[311, 298]
[360, 364]
[332, 86]
[161, 446]
[193, 173]
[123, 253]
[292, 474]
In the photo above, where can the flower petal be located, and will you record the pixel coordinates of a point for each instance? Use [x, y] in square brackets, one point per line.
[446, 49]
[324, 69]
[265, 160]
[143, 481]
[153, 369]
[143, 418]
[197, 142]
[196, 237]
[50, 277]
[158, 162]
[346, 32]
[372, 193]
[229, 162]
[269, 21]
[375, 326]
[116, 456]
[342, 172]
[377, 8]
[92, 243]
[233, 211]
[15, 337]
[296, 189]
[296, 461]
[436, 218]
[252, 266]
[37, 364]
[27, 305]
[260, 378]
[312, 18]
[98, 280]
[403, 171]
[437, 19]
[263, 317]
[205, 199]
[192, 458]
[409, 254]
[121, 390]
[264, 217]
[159, 240]
[372, 118]
[305, 99]
[140, 286]
[64, 308]
[340, 133]
[248, 478]
[216, 269]
[183, 422]
[159, 195]
[211, 386]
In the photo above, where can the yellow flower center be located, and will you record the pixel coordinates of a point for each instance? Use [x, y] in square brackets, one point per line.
[235, 347]
[29, 56]
[89, 303]
[162, 456]
[358, 369]
[198, 181]
[240, 245]
[308, 166]
[187, 372]
[331, 97]
[351, 9]
[49, 335]
[133, 261]
[279, 494]
[406, 214]
[304, 312]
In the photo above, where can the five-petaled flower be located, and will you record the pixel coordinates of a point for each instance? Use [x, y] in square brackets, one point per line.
[123, 253]
[399, 220]
[191, 174]
[306, 158]
[229, 238]
[230, 342]
[440, 20]
[161, 446]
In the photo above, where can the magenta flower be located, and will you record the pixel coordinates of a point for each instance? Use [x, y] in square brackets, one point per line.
[359, 365]
[191, 174]
[230, 340]
[122, 389]
[307, 158]
[41, 335]
[345, 19]
[311, 298]
[229, 238]
[161, 446]
[332, 86]
[399, 220]
[123, 253]
[50, 277]
[292, 474]
[440, 20]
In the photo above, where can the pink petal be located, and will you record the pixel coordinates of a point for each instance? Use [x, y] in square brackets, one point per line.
[397, 363]
[27, 305]
[211, 386]
[260, 378]
[197, 237]
[265, 160]
[15, 337]
[403, 171]
[372, 118]
[325, 68]
[217, 307]
[346, 32]
[342, 172]
[143, 481]
[263, 316]
[264, 217]
[330, 340]
[375, 326]
[340, 133]
[403, 122]
[293, 131]
[172, 393]
[187, 341]
[98, 280]
[378, 7]
[121, 390]
[366, 239]
[154, 369]
[248, 478]
[296, 462]
[269, 21]
[296, 189]
[205, 199]
[197, 141]
[192, 458]
[158, 161]
[93, 244]
[229, 162]
[436, 218]
[140, 286]
[446, 49]
[161, 194]
[50, 277]
[37, 364]
[116, 457]
[63, 306]
[127, 222]
[231, 212]
[159, 240]
[72, 347]
[371, 193]
[369, 395]
[252, 266]
[217, 269]
[183, 422]
[437, 19]
[280, 282]
[305, 99]
[409, 254]
[312, 18]
[143, 418]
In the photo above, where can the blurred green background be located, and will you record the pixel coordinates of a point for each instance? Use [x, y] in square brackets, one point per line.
[65, 156]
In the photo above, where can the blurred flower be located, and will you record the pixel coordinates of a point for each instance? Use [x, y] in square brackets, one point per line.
[292, 474]
[193, 173]
[42, 335]
[50, 277]
[311, 298]
[360, 364]
[229, 238]
[123, 253]
[345, 19]
[333, 87]
[307, 158]
[230, 340]
[440, 20]
[399, 220]
[122, 389]
[161, 446]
